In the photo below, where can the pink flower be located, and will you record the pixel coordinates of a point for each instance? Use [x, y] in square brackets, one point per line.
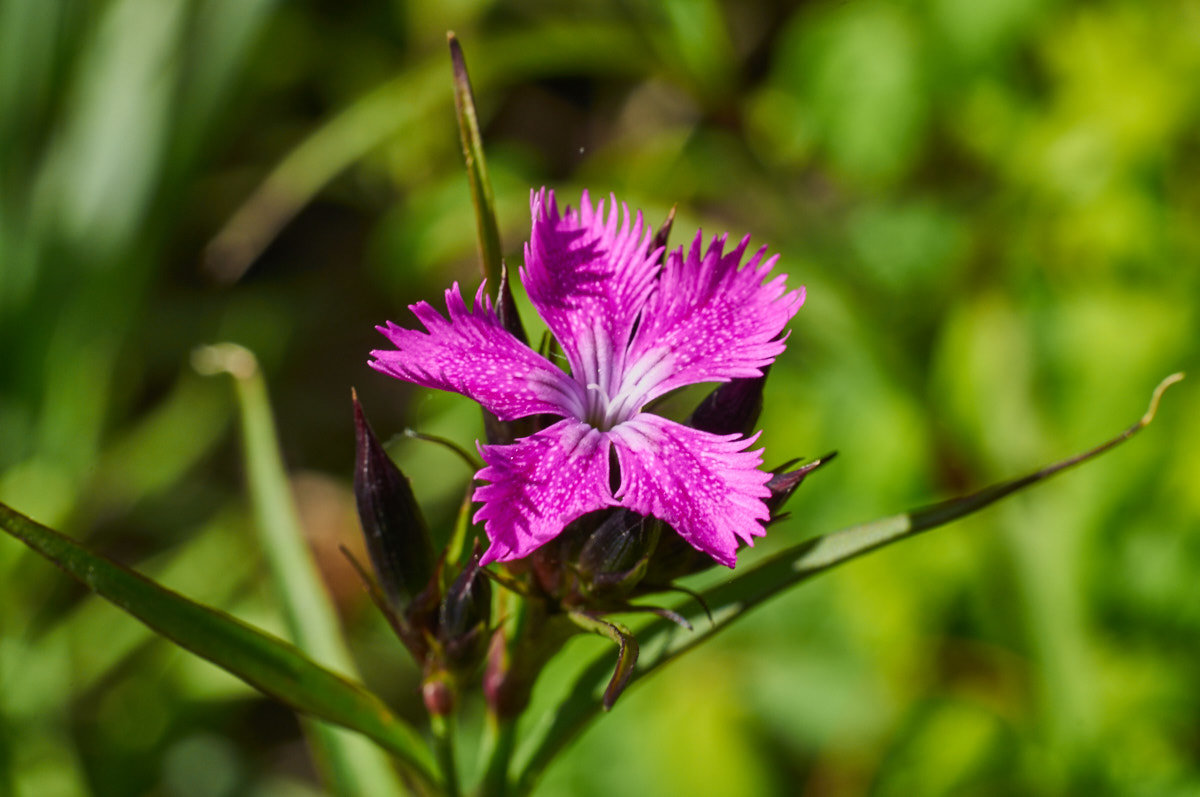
[631, 330]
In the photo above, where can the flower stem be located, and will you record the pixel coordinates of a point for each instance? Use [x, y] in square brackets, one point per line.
[443, 742]
[499, 744]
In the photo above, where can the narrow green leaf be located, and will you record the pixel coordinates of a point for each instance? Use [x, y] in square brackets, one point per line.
[267, 663]
[462, 527]
[353, 766]
[663, 640]
[403, 106]
[477, 175]
[213, 567]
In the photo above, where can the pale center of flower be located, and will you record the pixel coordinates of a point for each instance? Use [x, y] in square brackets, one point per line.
[598, 409]
[604, 410]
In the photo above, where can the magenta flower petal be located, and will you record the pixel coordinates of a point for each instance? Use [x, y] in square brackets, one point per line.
[540, 484]
[631, 331]
[589, 273]
[710, 320]
[474, 355]
[706, 486]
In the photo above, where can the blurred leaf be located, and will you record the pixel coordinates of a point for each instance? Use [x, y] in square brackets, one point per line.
[161, 447]
[854, 70]
[663, 640]
[396, 108]
[354, 766]
[694, 38]
[224, 37]
[103, 167]
[268, 664]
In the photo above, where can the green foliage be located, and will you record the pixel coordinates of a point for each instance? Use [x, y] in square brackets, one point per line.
[992, 205]
[266, 663]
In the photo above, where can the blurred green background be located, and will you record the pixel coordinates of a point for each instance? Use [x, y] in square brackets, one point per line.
[993, 204]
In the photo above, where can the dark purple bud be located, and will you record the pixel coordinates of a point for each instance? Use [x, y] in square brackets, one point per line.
[663, 234]
[506, 307]
[615, 556]
[397, 538]
[674, 557]
[782, 485]
[733, 408]
[551, 564]
[464, 616]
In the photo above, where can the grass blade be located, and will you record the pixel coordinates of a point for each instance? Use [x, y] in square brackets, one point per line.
[663, 640]
[267, 663]
[353, 765]
[481, 187]
[401, 106]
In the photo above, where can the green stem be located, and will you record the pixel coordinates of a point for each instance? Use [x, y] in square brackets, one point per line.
[352, 766]
[500, 741]
[443, 743]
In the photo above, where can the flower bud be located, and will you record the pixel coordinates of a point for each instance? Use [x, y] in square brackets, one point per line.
[615, 556]
[732, 408]
[397, 539]
[552, 564]
[438, 693]
[463, 618]
[782, 485]
[674, 557]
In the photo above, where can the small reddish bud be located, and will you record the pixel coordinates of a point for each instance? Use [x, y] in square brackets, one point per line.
[437, 691]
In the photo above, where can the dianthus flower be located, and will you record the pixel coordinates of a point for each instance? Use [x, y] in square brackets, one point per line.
[631, 330]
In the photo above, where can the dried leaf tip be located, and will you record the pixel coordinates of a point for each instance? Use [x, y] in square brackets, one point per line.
[1152, 410]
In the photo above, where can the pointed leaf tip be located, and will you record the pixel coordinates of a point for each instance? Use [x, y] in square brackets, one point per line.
[477, 176]
[457, 62]
[782, 485]
[1156, 397]
[627, 652]
[663, 234]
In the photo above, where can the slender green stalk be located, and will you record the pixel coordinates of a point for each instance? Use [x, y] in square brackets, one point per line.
[477, 174]
[500, 733]
[443, 727]
[499, 744]
[401, 108]
[352, 765]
